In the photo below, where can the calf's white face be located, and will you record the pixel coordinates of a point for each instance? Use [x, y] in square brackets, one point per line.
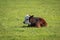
[26, 21]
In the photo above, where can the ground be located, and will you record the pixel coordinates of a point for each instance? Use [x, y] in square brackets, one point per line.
[12, 13]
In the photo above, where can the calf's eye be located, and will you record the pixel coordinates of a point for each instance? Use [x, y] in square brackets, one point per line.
[27, 19]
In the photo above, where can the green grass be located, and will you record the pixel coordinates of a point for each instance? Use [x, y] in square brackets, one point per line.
[12, 13]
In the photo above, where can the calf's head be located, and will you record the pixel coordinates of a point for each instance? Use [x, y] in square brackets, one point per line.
[26, 20]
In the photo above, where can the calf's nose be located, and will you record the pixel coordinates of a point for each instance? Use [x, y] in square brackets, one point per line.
[24, 22]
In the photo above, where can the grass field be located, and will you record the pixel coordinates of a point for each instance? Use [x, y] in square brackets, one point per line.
[12, 13]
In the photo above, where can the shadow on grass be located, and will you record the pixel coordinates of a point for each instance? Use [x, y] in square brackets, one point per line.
[28, 26]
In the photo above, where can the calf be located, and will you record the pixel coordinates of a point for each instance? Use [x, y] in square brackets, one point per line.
[35, 21]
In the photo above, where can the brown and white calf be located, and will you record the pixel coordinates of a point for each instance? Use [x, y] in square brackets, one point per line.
[35, 21]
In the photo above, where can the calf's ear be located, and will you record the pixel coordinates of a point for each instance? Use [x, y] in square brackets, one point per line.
[32, 16]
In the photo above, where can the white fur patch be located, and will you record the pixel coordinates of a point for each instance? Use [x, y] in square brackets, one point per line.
[27, 19]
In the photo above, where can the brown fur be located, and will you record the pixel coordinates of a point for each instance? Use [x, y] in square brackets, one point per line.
[38, 22]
